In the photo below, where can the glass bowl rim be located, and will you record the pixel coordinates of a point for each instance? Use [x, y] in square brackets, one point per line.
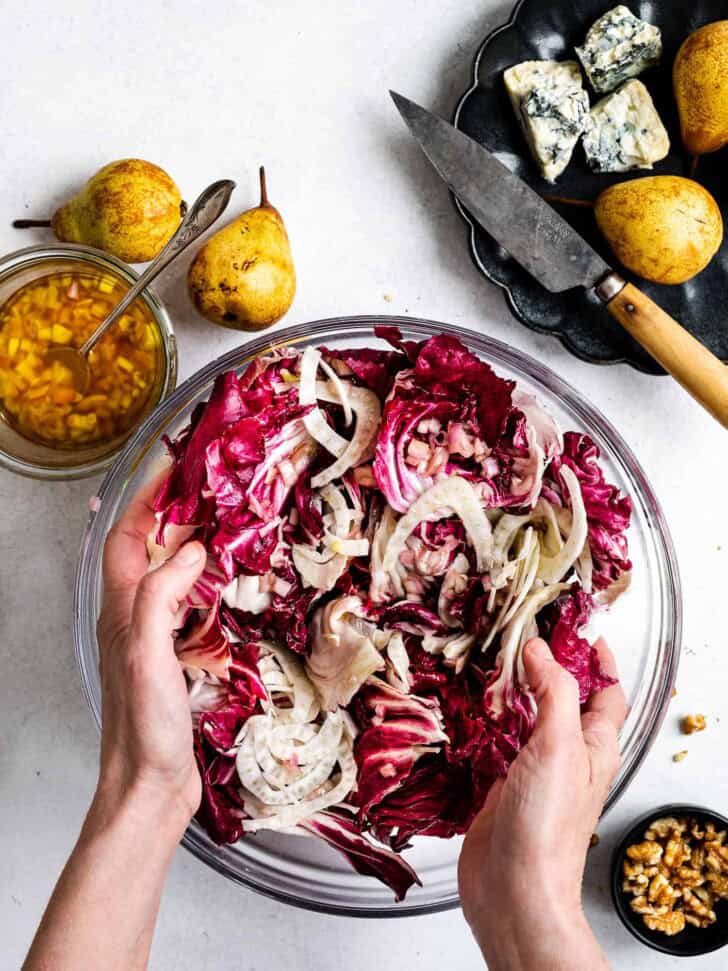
[20, 259]
[146, 436]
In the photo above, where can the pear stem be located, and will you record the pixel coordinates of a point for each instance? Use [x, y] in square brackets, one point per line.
[263, 188]
[30, 223]
[694, 159]
[567, 201]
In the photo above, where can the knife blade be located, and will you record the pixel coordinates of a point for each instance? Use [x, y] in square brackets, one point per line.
[516, 216]
[557, 256]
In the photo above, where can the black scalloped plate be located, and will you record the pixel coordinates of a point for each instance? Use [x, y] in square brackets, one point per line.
[538, 30]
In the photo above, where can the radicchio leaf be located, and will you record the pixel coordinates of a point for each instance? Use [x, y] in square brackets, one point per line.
[397, 729]
[450, 414]
[221, 810]
[204, 644]
[339, 830]
[560, 625]
[181, 499]
[608, 512]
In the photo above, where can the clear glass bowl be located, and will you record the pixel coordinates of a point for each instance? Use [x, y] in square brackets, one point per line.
[38, 461]
[644, 627]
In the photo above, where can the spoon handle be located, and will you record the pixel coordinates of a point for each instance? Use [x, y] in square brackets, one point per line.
[207, 208]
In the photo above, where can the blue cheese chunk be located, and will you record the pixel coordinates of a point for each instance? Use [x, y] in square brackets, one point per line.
[552, 108]
[619, 46]
[625, 132]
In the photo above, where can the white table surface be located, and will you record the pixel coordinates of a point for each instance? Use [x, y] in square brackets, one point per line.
[212, 90]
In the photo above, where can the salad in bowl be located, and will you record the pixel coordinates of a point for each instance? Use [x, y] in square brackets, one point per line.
[386, 527]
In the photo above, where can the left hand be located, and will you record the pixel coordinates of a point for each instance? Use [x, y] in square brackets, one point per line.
[146, 743]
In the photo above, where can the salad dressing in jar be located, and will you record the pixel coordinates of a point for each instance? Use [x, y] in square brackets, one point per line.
[39, 398]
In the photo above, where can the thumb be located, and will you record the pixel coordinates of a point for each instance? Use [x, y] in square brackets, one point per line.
[555, 690]
[161, 592]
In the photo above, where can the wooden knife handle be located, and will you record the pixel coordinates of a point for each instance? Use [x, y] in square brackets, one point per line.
[698, 370]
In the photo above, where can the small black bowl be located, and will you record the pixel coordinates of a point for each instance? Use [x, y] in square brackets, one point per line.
[693, 940]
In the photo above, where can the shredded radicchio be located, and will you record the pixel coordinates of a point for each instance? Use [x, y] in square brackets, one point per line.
[385, 530]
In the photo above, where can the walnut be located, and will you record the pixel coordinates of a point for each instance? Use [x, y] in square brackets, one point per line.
[693, 723]
[676, 874]
[711, 836]
[676, 852]
[662, 828]
[661, 891]
[647, 852]
[698, 908]
[715, 857]
[689, 877]
[718, 884]
[594, 840]
[705, 895]
[695, 831]
[641, 905]
[635, 879]
[697, 921]
[669, 924]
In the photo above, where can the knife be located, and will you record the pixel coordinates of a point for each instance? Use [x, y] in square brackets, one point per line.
[557, 256]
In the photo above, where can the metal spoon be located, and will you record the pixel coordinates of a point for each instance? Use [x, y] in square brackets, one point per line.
[208, 207]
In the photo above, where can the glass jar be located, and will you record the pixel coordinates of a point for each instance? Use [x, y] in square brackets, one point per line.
[32, 458]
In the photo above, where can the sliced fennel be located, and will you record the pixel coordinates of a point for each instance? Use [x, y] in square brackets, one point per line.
[452, 495]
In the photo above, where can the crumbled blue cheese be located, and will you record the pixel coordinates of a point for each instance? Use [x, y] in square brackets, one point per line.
[619, 46]
[625, 132]
[552, 108]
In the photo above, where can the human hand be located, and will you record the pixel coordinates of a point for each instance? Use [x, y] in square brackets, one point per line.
[103, 910]
[523, 859]
[146, 739]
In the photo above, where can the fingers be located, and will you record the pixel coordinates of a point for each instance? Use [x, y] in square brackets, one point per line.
[125, 551]
[160, 594]
[609, 704]
[125, 562]
[555, 690]
[559, 716]
[602, 719]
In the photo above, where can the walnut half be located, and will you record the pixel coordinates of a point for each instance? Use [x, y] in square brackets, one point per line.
[693, 723]
[647, 853]
[669, 925]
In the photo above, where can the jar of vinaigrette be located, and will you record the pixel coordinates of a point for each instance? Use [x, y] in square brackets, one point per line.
[57, 296]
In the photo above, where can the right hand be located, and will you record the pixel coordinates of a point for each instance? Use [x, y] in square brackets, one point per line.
[523, 859]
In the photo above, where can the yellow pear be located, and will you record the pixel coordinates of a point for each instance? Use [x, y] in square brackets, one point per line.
[700, 80]
[243, 277]
[130, 208]
[663, 227]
